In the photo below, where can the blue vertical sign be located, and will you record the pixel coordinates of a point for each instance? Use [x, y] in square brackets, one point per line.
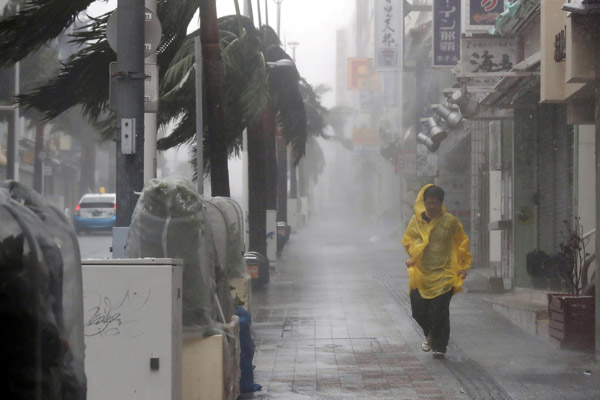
[446, 32]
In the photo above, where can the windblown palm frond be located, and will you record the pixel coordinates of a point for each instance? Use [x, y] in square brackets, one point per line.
[77, 83]
[38, 22]
[287, 99]
[83, 78]
[316, 114]
[245, 86]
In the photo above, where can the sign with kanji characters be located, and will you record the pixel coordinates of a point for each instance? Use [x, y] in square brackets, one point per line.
[389, 26]
[446, 32]
[486, 55]
[405, 162]
[361, 75]
[481, 14]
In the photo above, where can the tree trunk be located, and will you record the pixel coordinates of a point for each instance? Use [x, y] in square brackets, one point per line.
[268, 126]
[282, 169]
[213, 82]
[257, 216]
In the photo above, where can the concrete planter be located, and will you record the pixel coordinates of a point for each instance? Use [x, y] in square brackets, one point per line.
[572, 321]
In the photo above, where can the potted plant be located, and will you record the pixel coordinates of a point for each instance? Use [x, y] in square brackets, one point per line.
[571, 314]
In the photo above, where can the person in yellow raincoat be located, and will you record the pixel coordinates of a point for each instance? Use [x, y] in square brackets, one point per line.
[439, 257]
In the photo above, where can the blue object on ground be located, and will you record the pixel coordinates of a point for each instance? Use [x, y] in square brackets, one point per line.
[246, 352]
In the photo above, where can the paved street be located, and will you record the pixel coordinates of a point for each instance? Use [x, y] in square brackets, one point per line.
[334, 324]
[95, 245]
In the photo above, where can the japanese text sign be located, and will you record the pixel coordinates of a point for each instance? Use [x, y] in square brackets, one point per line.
[486, 55]
[446, 32]
[483, 13]
[389, 26]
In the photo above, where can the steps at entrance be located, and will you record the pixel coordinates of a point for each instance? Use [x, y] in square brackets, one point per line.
[525, 308]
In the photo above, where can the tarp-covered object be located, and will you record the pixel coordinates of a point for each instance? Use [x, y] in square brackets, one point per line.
[41, 300]
[170, 220]
[228, 233]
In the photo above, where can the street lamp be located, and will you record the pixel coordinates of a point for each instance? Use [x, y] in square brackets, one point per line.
[436, 132]
[467, 106]
[452, 118]
[426, 140]
[293, 44]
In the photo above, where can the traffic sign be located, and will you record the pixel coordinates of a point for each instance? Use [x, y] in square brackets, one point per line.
[42, 155]
[152, 32]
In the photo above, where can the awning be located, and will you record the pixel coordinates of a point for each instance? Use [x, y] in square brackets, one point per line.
[517, 15]
[509, 89]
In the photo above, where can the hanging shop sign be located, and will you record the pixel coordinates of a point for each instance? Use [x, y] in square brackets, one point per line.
[389, 28]
[481, 14]
[361, 75]
[446, 32]
[487, 55]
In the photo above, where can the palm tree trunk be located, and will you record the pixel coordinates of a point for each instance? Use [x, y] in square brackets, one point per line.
[257, 224]
[213, 79]
[270, 158]
[282, 169]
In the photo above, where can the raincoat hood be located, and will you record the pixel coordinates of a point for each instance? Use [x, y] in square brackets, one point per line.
[419, 207]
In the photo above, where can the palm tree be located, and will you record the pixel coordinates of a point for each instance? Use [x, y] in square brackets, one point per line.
[248, 88]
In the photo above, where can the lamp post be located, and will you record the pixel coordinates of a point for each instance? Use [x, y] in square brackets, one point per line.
[278, 2]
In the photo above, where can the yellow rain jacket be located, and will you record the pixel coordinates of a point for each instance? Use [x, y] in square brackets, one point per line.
[439, 249]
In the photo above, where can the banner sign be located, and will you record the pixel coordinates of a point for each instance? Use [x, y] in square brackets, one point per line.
[482, 14]
[446, 32]
[361, 75]
[389, 27]
[485, 55]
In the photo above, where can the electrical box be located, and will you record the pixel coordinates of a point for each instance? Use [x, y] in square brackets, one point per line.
[128, 135]
[132, 326]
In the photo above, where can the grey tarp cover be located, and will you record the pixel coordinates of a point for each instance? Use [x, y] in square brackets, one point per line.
[229, 236]
[41, 298]
[172, 220]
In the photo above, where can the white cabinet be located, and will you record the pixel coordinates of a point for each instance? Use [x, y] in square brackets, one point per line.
[132, 317]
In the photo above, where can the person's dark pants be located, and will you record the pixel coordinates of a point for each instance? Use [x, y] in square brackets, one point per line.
[433, 315]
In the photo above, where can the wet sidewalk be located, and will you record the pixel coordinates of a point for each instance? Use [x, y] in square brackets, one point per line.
[334, 323]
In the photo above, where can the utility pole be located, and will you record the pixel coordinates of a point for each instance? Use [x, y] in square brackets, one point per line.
[130, 107]
[150, 125]
[199, 118]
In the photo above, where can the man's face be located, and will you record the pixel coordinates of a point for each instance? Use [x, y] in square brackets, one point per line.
[433, 207]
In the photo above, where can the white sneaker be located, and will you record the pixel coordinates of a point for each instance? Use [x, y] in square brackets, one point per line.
[439, 355]
[425, 345]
